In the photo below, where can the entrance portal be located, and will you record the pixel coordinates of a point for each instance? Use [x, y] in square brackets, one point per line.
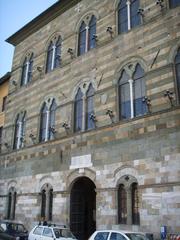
[83, 208]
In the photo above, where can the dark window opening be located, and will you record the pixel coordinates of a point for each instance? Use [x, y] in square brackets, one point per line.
[4, 103]
[90, 108]
[78, 111]
[174, 3]
[135, 204]
[122, 205]
[11, 207]
[43, 204]
[177, 72]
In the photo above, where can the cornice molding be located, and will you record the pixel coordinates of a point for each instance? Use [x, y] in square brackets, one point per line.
[41, 20]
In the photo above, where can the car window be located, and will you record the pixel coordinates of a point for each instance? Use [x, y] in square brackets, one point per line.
[101, 236]
[1, 229]
[67, 233]
[136, 236]
[3, 225]
[47, 232]
[38, 231]
[21, 228]
[117, 236]
[63, 233]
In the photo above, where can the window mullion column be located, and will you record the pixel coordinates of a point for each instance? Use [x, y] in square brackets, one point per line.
[84, 113]
[47, 125]
[129, 206]
[19, 134]
[131, 97]
[128, 14]
[47, 205]
[53, 57]
[87, 38]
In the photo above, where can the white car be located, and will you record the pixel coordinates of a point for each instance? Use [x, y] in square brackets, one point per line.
[117, 235]
[51, 232]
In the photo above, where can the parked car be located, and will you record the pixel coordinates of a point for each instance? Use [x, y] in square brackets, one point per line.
[6, 236]
[14, 229]
[117, 235]
[50, 232]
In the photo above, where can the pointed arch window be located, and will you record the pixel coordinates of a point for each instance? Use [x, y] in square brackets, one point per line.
[135, 204]
[131, 94]
[90, 108]
[174, 3]
[11, 205]
[82, 39]
[86, 39]
[177, 73]
[92, 33]
[78, 111]
[27, 68]
[54, 54]
[84, 109]
[43, 204]
[128, 16]
[46, 202]
[128, 203]
[19, 133]
[122, 205]
[47, 120]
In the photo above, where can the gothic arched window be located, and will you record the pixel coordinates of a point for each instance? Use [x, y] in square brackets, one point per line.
[139, 91]
[86, 38]
[54, 54]
[19, 133]
[27, 70]
[43, 125]
[46, 202]
[128, 202]
[128, 16]
[11, 207]
[177, 72]
[135, 204]
[90, 108]
[131, 94]
[92, 33]
[52, 117]
[84, 110]
[47, 120]
[82, 39]
[78, 111]
[122, 205]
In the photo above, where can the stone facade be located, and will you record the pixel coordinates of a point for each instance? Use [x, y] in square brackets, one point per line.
[144, 148]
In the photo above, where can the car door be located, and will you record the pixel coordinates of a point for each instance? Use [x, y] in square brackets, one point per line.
[36, 234]
[47, 234]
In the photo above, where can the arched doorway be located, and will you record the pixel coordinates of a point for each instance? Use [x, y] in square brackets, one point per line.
[83, 208]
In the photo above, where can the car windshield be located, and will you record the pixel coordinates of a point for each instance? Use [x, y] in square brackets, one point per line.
[63, 233]
[136, 236]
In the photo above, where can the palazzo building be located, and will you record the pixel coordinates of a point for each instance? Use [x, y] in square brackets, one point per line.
[92, 131]
[4, 83]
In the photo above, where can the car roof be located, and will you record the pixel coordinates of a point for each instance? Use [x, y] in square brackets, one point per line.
[120, 231]
[10, 221]
[52, 226]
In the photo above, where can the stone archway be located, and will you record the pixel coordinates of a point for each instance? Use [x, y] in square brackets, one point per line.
[83, 208]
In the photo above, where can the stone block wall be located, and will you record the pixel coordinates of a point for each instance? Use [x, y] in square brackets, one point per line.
[146, 147]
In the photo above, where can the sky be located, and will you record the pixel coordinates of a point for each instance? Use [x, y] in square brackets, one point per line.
[14, 14]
